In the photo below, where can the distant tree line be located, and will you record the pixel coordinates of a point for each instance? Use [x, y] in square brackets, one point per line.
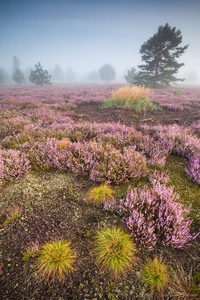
[159, 54]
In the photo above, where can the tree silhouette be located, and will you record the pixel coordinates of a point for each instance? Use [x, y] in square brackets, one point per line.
[159, 54]
[107, 72]
[39, 76]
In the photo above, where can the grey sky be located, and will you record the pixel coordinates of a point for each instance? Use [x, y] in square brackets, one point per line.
[87, 34]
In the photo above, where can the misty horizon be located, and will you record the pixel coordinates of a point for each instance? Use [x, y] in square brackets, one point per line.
[83, 35]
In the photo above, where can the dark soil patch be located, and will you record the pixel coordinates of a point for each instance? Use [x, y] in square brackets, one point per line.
[94, 112]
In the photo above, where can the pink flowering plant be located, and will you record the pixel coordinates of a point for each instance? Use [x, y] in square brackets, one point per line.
[101, 162]
[13, 164]
[155, 217]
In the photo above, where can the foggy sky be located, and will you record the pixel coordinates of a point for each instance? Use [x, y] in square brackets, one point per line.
[85, 34]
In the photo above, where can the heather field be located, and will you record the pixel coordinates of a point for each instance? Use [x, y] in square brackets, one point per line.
[99, 192]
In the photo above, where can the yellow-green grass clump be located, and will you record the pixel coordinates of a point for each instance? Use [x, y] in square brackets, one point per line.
[100, 194]
[155, 275]
[135, 97]
[115, 251]
[133, 93]
[55, 261]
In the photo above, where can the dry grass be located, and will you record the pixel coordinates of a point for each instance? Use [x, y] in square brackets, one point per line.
[133, 93]
[183, 287]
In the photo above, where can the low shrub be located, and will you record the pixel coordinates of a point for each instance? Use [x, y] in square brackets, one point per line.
[115, 251]
[154, 216]
[13, 164]
[101, 162]
[193, 168]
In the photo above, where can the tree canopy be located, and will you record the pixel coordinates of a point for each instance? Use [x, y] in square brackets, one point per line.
[159, 54]
[107, 72]
[39, 76]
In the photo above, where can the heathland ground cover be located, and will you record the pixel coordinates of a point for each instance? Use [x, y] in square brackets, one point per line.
[99, 192]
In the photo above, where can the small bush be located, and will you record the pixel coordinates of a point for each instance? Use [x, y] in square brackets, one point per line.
[154, 216]
[156, 277]
[13, 164]
[100, 194]
[55, 261]
[115, 251]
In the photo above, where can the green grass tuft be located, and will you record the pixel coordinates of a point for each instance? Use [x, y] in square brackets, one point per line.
[55, 261]
[155, 275]
[100, 194]
[115, 251]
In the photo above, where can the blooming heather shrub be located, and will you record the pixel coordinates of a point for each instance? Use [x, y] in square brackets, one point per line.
[154, 216]
[160, 177]
[108, 132]
[182, 142]
[103, 163]
[118, 167]
[12, 126]
[155, 150]
[193, 168]
[13, 164]
[195, 126]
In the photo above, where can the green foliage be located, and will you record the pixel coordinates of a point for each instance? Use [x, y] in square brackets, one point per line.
[107, 72]
[138, 106]
[156, 277]
[188, 190]
[18, 76]
[55, 261]
[131, 76]
[159, 54]
[100, 194]
[39, 76]
[115, 251]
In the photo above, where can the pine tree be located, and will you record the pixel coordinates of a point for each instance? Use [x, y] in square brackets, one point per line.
[40, 76]
[159, 54]
[18, 76]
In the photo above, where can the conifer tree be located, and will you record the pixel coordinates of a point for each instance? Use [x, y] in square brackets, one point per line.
[39, 76]
[160, 54]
